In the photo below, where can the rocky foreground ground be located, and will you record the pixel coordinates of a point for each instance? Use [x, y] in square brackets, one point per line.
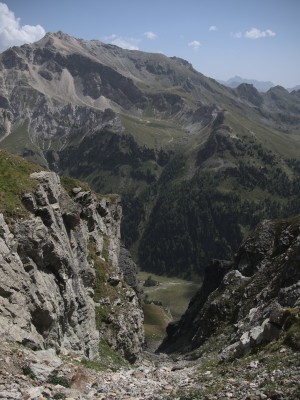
[272, 373]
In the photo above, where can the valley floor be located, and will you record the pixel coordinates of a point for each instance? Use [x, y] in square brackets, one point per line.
[273, 373]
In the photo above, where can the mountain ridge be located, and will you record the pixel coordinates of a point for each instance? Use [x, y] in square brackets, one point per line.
[234, 82]
[146, 125]
[261, 86]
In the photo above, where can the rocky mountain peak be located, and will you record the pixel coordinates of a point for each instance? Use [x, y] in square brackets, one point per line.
[248, 92]
[278, 89]
[62, 43]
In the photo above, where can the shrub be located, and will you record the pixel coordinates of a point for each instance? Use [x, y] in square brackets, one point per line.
[150, 282]
[55, 379]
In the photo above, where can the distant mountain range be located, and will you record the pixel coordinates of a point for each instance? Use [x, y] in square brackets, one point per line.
[197, 164]
[261, 86]
[294, 88]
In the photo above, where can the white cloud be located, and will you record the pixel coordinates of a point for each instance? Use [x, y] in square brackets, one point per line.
[236, 35]
[125, 43]
[255, 33]
[150, 35]
[12, 33]
[212, 28]
[194, 44]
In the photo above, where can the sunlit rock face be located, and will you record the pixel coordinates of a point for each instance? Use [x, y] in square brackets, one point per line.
[56, 272]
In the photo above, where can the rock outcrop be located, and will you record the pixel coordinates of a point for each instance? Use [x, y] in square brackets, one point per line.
[61, 286]
[129, 269]
[249, 302]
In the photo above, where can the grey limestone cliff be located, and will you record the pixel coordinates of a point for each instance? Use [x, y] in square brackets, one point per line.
[249, 302]
[61, 286]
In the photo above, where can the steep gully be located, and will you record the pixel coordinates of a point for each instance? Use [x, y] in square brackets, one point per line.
[63, 291]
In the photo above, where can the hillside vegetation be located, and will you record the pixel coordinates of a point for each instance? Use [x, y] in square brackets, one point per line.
[14, 182]
[197, 164]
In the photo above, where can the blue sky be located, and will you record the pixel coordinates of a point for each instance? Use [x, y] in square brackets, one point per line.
[256, 39]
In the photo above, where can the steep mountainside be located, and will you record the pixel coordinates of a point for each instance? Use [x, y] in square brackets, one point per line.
[62, 284]
[249, 302]
[197, 164]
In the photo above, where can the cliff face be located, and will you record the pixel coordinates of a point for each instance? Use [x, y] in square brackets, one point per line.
[248, 302]
[61, 285]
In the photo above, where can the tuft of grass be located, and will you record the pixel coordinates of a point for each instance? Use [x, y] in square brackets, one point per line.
[96, 365]
[108, 359]
[15, 180]
[108, 354]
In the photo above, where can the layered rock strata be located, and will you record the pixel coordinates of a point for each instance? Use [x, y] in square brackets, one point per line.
[61, 286]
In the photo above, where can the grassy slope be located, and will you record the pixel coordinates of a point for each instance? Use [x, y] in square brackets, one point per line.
[19, 142]
[14, 181]
[154, 133]
[174, 294]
